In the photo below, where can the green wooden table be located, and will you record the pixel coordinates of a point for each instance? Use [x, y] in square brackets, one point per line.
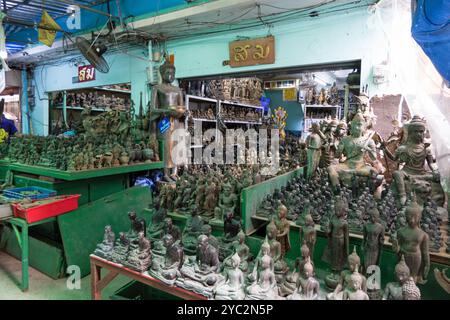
[22, 238]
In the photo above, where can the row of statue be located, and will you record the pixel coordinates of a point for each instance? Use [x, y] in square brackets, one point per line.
[211, 192]
[243, 90]
[314, 198]
[92, 99]
[111, 139]
[79, 153]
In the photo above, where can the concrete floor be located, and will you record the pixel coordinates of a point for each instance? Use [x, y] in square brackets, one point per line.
[41, 287]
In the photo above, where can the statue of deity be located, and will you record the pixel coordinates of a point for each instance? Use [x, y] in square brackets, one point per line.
[137, 225]
[354, 148]
[106, 248]
[308, 234]
[242, 250]
[337, 249]
[412, 244]
[191, 231]
[121, 249]
[140, 258]
[283, 228]
[413, 154]
[231, 288]
[227, 202]
[199, 273]
[354, 261]
[167, 99]
[314, 144]
[280, 266]
[354, 291]
[265, 286]
[373, 239]
[291, 281]
[167, 269]
[308, 287]
[405, 288]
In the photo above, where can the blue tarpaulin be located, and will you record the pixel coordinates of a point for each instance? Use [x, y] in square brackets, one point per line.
[431, 30]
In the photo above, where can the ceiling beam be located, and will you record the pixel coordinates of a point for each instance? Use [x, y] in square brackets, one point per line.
[190, 11]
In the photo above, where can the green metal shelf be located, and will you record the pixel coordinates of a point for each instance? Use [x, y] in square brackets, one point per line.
[84, 174]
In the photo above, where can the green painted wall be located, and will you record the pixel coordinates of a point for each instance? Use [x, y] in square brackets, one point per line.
[345, 36]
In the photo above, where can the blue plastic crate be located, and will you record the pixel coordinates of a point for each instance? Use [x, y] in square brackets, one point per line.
[15, 193]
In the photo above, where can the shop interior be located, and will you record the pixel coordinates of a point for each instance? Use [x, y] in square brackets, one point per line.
[151, 159]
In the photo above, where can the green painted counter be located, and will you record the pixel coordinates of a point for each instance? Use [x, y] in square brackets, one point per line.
[84, 174]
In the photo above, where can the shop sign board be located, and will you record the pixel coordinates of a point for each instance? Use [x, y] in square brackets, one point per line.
[252, 52]
[86, 73]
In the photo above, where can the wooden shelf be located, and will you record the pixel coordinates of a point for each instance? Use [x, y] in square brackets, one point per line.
[97, 283]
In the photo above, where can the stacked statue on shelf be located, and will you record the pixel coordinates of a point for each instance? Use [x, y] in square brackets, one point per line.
[106, 248]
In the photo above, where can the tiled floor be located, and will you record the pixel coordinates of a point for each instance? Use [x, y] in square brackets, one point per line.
[42, 287]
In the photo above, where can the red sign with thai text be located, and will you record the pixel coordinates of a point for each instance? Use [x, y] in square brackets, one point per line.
[86, 73]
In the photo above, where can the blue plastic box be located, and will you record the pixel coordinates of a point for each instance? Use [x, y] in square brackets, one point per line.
[15, 193]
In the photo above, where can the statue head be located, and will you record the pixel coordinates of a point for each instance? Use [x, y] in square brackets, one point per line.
[202, 241]
[265, 262]
[282, 211]
[315, 127]
[241, 237]
[416, 128]
[235, 260]
[271, 230]
[309, 220]
[413, 213]
[167, 71]
[358, 125]
[108, 228]
[402, 270]
[354, 260]
[206, 229]
[265, 247]
[308, 269]
[304, 250]
[340, 207]
[167, 240]
[374, 215]
[141, 235]
[332, 126]
[132, 215]
[168, 223]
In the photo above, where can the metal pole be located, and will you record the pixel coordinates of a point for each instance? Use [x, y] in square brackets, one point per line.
[89, 8]
[24, 103]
